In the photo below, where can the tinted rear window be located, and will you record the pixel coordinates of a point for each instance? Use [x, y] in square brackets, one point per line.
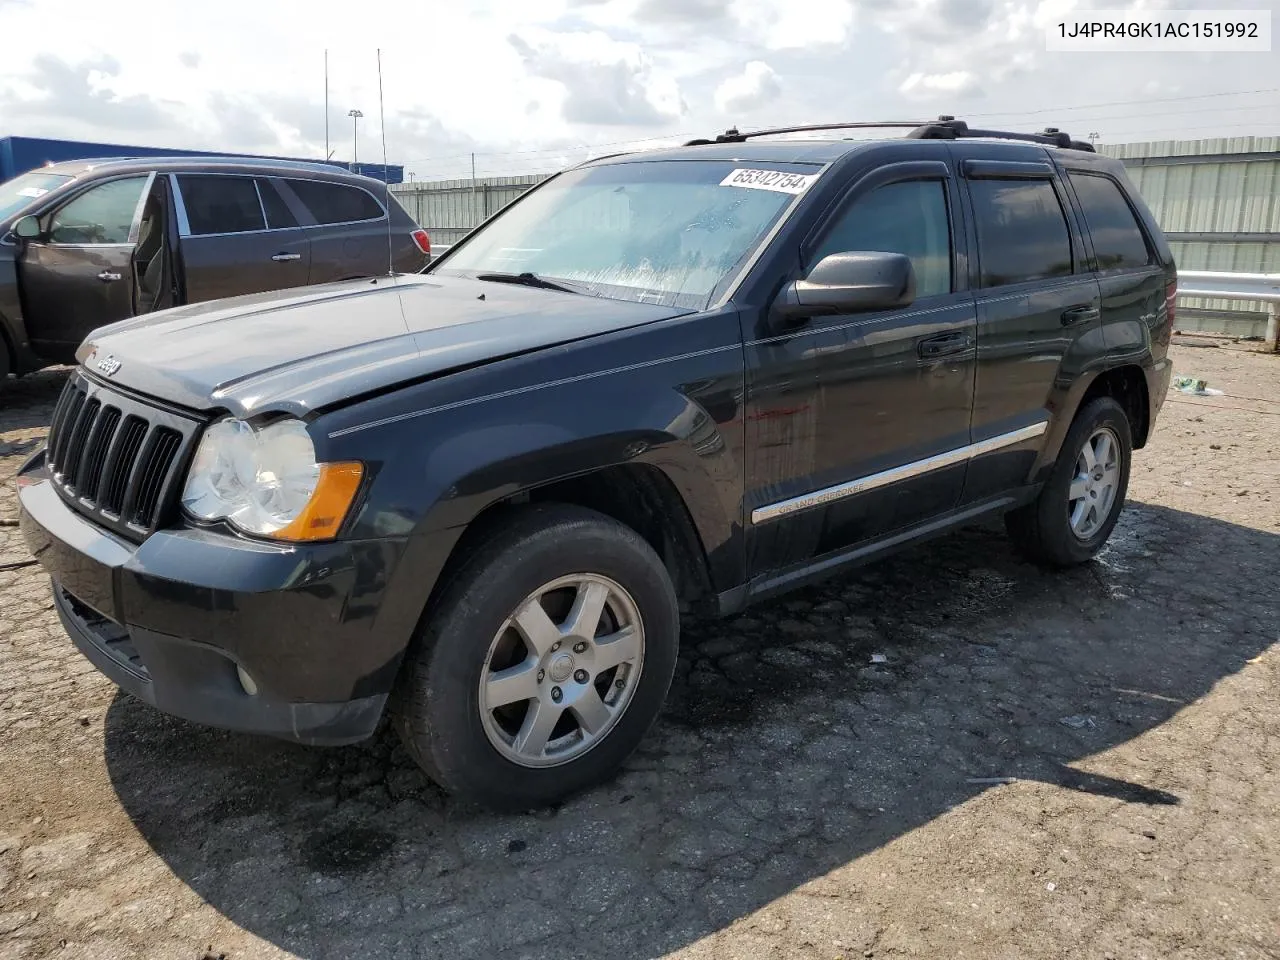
[221, 204]
[1118, 241]
[1022, 232]
[335, 202]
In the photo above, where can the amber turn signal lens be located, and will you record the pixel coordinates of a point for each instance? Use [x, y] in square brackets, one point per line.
[323, 515]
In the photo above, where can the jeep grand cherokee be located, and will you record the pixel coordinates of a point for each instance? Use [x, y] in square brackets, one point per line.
[672, 382]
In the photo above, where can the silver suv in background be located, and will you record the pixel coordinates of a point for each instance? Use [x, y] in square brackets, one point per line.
[88, 242]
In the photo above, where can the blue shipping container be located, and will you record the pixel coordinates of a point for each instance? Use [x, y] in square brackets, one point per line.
[20, 154]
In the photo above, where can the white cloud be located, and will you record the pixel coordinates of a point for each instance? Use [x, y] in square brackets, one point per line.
[782, 25]
[585, 77]
[604, 82]
[957, 83]
[749, 90]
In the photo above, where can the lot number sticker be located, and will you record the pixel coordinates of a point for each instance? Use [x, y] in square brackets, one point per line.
[774, 180]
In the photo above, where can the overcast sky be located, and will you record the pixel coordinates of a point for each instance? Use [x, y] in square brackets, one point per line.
[532, 85]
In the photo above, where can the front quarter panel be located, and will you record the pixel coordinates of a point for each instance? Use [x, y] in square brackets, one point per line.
[667, 394]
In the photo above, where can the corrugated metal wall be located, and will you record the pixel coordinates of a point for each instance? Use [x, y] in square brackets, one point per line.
[449, 209]
[1218, 200]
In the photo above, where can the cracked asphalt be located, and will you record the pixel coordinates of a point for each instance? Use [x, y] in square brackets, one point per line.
[950, 754]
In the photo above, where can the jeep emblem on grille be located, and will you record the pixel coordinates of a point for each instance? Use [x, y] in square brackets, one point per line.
[107, 365]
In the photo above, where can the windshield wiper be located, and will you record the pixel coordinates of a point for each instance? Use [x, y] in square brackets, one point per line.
[527, 280]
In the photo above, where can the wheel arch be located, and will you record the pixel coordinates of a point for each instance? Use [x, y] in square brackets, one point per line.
[1126, 382]
[1127, 385]
[654, 482]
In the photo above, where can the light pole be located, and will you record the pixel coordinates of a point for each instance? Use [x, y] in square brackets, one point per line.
[355, 116]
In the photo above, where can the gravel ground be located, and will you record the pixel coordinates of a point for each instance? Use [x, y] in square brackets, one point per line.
[797, 800]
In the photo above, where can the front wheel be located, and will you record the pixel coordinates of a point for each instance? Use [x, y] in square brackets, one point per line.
[1077, 509]
[544, 663]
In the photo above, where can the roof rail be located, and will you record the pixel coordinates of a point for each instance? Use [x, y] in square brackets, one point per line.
[229, 159]
[949, 128]
[91, 160]
[944, 128]
[732, 135]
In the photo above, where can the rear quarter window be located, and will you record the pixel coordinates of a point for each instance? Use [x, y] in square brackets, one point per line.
[335, 202]
[1118, 241]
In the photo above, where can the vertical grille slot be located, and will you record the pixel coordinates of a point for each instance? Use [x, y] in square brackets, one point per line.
[66, 427]
[152, 468]
[115, 475]
[95, 457]
[59, 416]
[79, 435]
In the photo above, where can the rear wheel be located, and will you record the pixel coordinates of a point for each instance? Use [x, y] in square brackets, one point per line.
[1070, 521]
[544, 663]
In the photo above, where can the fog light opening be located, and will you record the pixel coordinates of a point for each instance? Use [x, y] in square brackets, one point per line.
[246, 681]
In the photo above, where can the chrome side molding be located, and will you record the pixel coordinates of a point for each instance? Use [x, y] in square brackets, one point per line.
[905, 472]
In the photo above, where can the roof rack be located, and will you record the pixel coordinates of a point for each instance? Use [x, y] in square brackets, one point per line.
[949, 128]
[944, 128]
[732, 135]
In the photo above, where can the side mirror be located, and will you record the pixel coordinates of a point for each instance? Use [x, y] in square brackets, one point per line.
[849, 283]
[26, 228]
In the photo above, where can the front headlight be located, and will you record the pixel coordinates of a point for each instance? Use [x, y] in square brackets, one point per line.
[266, 481]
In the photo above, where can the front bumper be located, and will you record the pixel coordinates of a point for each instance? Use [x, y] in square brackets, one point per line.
[170, 620]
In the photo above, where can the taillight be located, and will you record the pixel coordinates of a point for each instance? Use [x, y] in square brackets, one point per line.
[422, 241]
[1171, 299]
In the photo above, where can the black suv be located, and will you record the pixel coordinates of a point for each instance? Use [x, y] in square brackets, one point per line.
[673, 382]
[88, 242]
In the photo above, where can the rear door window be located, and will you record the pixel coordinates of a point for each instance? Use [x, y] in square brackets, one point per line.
[1118, 241]
[217, 204]
[336, 202]
[102, 214]
[1022, 231]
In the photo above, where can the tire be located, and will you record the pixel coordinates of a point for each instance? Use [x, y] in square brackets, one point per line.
[1043, 530]
[5, 366]
[490, 755]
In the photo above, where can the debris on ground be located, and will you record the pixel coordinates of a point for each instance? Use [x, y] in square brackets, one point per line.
[1195, 386]
[1078, 721]
[879, 658]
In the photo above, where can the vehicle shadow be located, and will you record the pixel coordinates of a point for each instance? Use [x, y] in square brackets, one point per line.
[785, 753]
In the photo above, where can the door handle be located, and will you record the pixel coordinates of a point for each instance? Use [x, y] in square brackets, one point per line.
[281, 257]
[106, 276]
[945, 344]
[1085, 313]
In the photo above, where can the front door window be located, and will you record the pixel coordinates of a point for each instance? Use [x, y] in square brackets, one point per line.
[102, 214]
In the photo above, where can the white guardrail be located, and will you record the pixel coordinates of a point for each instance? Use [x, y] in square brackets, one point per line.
[1261, 288]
